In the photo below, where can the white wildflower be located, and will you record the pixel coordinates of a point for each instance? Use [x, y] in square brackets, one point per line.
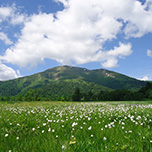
[63, 146]
[90, 128]
[6, 135]
[104, 138]
[44, 124]
[49, 129]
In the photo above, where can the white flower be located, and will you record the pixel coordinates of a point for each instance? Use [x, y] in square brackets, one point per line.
[63, 146]
[42, 131]
[74, 124]
[33, 129]
[44, 124]
[89, 118]
[150, 141]
[90, 128]
[49, 129]
[91, 135]
[17, 138]
[104, 138]
[6, 135]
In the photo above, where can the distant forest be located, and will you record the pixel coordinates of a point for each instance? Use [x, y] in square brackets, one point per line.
[145, 93]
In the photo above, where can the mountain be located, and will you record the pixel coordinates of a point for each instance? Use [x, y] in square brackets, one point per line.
[63, 80]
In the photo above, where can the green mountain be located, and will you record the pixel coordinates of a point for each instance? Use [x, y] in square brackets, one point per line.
[63, 80]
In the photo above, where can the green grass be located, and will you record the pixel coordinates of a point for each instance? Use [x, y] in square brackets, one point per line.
[76, 127]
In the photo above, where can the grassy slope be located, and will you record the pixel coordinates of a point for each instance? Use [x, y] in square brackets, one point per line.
[65, 79]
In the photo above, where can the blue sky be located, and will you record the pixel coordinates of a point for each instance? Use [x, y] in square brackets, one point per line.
[36, 35]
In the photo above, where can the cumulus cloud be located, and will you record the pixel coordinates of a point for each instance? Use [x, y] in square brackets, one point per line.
[4, 38]
[9, 15]
[12, 14]
[77, 34]
[149, 53]
[7, 73]
[5, 12]
[112, 56]
[145, 78]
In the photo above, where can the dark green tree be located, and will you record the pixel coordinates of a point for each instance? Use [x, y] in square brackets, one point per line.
[30, 95]
[19, 98]
[77, 95]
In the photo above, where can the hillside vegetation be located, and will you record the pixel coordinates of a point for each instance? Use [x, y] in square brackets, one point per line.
[61, 82]
[76, 127]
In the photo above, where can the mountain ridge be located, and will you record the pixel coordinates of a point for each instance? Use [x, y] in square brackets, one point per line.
[63, 80]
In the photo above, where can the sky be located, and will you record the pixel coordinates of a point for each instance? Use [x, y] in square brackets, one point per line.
[36, 35]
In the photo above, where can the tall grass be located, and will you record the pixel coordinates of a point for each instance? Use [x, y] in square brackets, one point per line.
[75, 127]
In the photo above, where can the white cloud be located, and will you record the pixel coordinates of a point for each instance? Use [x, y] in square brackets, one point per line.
[148, 5]
[12, 15]
[110, 63]
[112, 56]
[5, 12]
[145, 78]
[4, 38]
[149, 53]
[7, 73]
[77, 34]
[139, 21]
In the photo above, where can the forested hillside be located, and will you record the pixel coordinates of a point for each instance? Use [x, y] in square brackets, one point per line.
[61, 82]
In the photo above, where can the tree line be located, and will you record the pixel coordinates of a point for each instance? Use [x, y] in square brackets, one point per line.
[145, 93]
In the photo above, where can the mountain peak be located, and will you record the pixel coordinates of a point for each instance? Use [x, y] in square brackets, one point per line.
[64, 79]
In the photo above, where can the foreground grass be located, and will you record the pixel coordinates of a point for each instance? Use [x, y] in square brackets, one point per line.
[76, 127]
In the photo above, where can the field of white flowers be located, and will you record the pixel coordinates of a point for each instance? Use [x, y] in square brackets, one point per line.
[75, 127]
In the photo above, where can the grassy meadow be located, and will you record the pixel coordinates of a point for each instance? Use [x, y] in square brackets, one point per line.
[76, 127]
